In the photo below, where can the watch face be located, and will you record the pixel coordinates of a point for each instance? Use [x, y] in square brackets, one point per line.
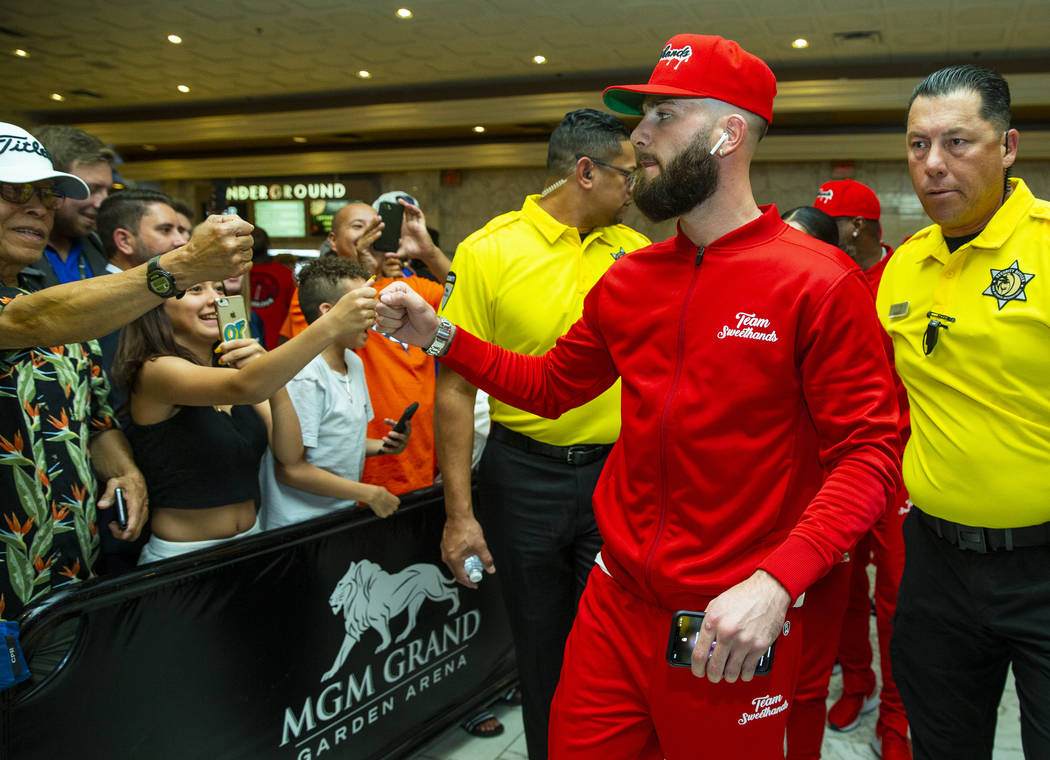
[159, 284]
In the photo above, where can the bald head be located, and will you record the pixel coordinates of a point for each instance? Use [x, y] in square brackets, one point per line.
[349, 225]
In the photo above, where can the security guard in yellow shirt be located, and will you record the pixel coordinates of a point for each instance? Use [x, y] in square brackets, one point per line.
[966, 304]
[520, 282]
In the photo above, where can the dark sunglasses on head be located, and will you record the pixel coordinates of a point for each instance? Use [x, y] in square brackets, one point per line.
[22, 192]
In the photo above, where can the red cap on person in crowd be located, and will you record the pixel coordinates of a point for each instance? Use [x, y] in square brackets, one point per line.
[702, 66]
[847, 197]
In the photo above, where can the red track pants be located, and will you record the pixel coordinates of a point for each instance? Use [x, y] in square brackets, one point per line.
[618, 699]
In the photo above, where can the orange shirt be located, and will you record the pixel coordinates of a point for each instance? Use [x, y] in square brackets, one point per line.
[295, 322]
[398, 374]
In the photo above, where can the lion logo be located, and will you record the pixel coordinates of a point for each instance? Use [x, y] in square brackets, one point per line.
[370, 597]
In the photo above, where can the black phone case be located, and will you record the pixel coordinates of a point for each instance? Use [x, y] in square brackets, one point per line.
[390, 238]
[406, 415]
[679, 655]
[122, 509]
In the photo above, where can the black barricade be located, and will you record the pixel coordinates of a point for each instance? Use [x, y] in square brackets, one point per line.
[342, 637]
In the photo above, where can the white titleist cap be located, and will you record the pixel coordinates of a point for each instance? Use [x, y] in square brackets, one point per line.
[24, 159]
[393, 196]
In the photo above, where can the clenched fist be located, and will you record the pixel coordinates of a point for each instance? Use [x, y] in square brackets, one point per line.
[221, 247]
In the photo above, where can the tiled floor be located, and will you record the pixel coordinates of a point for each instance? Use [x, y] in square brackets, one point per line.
[456, 744]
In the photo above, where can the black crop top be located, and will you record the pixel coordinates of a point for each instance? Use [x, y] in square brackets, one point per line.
[201, 457]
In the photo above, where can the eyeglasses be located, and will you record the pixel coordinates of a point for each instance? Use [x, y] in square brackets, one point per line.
[22, 192]
[626, 173]
[933, 330]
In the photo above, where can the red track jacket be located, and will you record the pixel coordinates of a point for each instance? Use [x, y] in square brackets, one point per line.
[759, 422]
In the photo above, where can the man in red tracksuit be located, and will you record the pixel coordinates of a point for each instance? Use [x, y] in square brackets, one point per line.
[758, 436]
[857, 210]
[840, 604]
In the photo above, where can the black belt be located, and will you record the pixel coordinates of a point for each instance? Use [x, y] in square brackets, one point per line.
[986, 540]
[577, 455]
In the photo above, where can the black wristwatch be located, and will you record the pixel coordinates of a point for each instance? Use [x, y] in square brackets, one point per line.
[160, 281]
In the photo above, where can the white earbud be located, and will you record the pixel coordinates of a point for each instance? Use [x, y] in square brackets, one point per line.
[720, 143]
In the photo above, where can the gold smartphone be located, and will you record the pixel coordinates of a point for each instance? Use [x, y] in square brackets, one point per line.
[233, 318]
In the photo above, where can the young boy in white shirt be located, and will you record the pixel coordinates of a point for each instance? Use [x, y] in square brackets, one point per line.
[332, 403]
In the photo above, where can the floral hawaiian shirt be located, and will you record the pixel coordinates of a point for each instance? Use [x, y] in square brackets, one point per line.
[52, 401]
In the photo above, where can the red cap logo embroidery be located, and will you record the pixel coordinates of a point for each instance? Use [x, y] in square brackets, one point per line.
[677, 55]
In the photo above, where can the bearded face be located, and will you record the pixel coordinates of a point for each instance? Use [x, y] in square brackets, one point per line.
[688, 179]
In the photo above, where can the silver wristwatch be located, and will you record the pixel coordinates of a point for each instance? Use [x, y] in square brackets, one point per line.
[439, 345]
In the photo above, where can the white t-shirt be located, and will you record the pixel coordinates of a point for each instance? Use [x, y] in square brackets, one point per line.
[334, 411]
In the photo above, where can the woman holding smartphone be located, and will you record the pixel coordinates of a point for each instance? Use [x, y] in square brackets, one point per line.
[199, 431]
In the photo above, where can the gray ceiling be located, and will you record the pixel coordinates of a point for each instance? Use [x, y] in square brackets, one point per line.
[262, 72]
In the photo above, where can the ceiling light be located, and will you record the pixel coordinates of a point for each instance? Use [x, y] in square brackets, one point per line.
[20, 53]
[538, 59]
[174, 39]
[404, 13]
[364, 74]
[183, 88]
[479, 129]
[58, 97]
[299, 139]
[800, 43]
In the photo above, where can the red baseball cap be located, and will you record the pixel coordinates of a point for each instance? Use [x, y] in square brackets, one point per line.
[847, 197]
[702, 66]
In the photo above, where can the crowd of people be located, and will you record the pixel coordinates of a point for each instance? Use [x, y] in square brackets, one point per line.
[715, 423]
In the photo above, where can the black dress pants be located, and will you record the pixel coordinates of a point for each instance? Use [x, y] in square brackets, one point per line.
[539, 526]
[962, 619]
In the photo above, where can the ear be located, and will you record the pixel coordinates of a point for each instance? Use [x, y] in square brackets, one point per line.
[331, 238]
[1010, 143]
[736, 127]
[124, 241]
[324, 308]
[584, 173]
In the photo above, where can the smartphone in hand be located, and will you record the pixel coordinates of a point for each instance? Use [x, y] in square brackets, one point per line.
[390, 238]
[402, 424]
[122, 508]
[685, 632]
[233, 318]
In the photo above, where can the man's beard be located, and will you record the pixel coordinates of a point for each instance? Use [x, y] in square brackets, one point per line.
[689, 179]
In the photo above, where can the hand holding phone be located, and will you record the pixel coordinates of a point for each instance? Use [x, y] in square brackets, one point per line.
[122, 508]
[233, 318]
[400, 427]
[685, 632]
[402, 424]
[391, 214]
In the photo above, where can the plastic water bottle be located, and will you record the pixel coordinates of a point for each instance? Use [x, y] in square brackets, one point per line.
[472, 565]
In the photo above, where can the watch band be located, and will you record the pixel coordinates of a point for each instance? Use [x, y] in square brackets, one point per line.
[442, 338]
[160, 281]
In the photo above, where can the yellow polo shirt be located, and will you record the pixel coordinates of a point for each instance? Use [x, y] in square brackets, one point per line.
[520, 282]
[979, 452]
